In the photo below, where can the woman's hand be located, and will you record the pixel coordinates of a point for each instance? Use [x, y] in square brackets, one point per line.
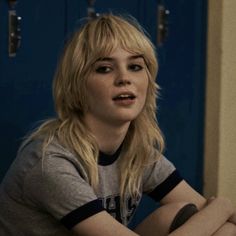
[227, 206]
[232, 219]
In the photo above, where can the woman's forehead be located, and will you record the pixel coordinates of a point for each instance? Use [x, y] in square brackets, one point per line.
[131, 52]
[120, 55]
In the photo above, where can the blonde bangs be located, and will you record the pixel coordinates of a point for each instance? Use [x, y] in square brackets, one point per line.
[107, 33]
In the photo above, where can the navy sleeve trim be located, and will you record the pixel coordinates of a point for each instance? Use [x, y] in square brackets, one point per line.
[166, 186]
[82, 213]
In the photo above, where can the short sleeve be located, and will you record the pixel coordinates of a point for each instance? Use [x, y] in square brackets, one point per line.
[56, 186]
[160, 178]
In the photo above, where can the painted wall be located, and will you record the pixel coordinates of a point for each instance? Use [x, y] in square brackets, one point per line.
[220, 126]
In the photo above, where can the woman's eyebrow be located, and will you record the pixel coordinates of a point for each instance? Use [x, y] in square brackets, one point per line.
[133, 57]
[106, 59]
[136, 57]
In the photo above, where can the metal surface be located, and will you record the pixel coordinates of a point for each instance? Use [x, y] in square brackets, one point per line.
[162, 24]
[14, 33]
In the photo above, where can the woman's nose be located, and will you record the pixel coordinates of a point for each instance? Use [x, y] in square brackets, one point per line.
[122, 78]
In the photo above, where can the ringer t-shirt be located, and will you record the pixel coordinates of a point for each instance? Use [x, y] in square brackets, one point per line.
[50, 195]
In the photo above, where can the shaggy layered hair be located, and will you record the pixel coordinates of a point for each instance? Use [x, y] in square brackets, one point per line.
[97, 39]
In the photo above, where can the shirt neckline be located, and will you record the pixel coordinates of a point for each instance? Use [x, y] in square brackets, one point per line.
[108, 159]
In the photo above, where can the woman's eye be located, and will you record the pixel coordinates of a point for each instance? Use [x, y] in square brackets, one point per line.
[135, 67]
[103, 69]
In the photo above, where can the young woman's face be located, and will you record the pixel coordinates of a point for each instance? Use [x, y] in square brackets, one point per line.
[117, 87]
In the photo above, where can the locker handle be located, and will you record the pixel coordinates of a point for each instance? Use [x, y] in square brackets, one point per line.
[162, 24]
[14, 33]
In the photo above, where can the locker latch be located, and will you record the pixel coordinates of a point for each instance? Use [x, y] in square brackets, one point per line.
[14, 29]
[162, 24]
[91, 10]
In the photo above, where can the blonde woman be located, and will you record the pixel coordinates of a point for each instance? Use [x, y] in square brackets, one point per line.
[84, 172]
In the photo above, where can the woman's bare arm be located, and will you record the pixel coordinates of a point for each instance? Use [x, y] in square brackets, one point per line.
[101, 224]
[211, 220]
[212, 214]
[208, 220]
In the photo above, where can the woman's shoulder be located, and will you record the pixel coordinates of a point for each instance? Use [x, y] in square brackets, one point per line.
[48, 155]
[41, 147]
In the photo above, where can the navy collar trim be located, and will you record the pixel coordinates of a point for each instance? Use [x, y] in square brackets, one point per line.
[106, 159]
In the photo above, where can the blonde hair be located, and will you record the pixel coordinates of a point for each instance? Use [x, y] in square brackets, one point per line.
[96, 39]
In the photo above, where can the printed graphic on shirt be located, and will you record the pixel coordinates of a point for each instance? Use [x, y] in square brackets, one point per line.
[123, 214]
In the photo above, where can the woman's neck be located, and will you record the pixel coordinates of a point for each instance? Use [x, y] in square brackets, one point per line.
[109, 137]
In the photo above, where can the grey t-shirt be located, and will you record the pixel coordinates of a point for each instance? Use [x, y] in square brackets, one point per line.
[50, 195]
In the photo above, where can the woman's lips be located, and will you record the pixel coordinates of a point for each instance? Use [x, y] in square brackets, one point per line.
[124, 100]
[124, 96]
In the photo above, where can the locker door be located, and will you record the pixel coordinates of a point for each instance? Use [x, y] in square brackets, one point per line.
[182, 78]
[25, 80]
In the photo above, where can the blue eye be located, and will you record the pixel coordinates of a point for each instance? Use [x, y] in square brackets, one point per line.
[135, 67]
[103, 69]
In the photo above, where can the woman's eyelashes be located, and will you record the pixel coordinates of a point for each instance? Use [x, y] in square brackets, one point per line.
[135, 67]
[104, 69]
